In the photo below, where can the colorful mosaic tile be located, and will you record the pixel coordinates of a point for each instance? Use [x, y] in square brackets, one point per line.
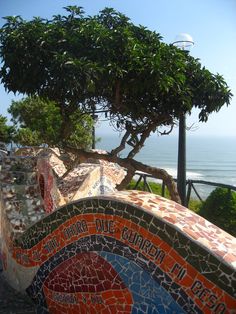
[189, 276]
[20, 194]
[90, 179]
[122, 252]
[47, 182]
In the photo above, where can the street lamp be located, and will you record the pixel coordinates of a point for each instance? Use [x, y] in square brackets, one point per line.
[95, 118]
[184, 42]
[94, 114]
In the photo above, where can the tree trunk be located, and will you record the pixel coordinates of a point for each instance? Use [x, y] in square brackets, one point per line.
[127, 178]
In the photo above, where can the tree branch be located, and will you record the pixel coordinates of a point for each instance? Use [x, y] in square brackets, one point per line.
[167, 132]
[132, 165]
[122, 144]
[140, 143]
[130, 173]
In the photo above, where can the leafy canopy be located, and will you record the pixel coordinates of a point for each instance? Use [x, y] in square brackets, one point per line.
[6, 131]
[39, 121]
[107, 62]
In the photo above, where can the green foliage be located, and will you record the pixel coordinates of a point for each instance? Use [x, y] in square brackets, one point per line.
[27, 137]
[79, 61]
[6, 131]
[220, 209]
[194, 205]
[80, 135]
[40, 121]
[42, 117]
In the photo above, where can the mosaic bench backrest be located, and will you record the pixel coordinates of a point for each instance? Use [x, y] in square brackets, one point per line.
[86, 179]
[129, 252]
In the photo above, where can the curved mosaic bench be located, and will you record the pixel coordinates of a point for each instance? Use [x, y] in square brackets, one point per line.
[127, 252]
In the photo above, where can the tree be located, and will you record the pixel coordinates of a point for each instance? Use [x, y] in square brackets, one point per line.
[108, 63]
[6, 131]
[39, 121]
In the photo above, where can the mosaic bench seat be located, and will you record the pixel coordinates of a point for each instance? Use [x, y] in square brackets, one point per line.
[122, 252]
[127, 252]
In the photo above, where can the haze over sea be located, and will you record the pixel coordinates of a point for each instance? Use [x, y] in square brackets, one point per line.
[208, 158]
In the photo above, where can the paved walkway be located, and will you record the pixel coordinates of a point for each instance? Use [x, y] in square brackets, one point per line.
[12, 302]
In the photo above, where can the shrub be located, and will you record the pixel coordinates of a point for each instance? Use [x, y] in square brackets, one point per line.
[220, 209]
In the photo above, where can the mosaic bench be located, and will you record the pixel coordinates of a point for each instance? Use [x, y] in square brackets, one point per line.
[129, 252]
[124, 252]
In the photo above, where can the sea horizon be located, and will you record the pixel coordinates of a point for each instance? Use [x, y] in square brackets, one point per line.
[208, 158]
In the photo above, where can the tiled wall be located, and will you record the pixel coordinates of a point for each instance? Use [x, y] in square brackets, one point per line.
[131, 252]
[126, 252]
[47, 181]
[22, 204]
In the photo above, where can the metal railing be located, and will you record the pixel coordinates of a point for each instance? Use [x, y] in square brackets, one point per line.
[190, 185]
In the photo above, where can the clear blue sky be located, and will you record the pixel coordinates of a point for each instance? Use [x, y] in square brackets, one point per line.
[211, 23]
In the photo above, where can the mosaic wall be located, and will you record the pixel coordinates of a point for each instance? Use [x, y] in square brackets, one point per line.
[131, 252]
[20, 194]
[32, 186]
[47, 181]
[89, 179]
[124, 252]
[93, 177]
[21, 206]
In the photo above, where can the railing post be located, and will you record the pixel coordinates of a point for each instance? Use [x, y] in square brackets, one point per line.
[146, 185]
[163, 189]
[197, 193]
[189, 183]
[139, 180]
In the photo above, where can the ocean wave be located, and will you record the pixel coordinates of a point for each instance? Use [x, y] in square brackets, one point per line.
[189, 174]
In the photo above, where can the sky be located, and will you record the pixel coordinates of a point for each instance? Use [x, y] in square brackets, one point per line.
[211, 23]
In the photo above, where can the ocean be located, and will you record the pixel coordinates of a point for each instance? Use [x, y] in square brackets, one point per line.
[207, 158]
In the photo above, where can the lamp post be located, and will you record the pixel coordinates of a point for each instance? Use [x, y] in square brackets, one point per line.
[94, 117]
[185, 42]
